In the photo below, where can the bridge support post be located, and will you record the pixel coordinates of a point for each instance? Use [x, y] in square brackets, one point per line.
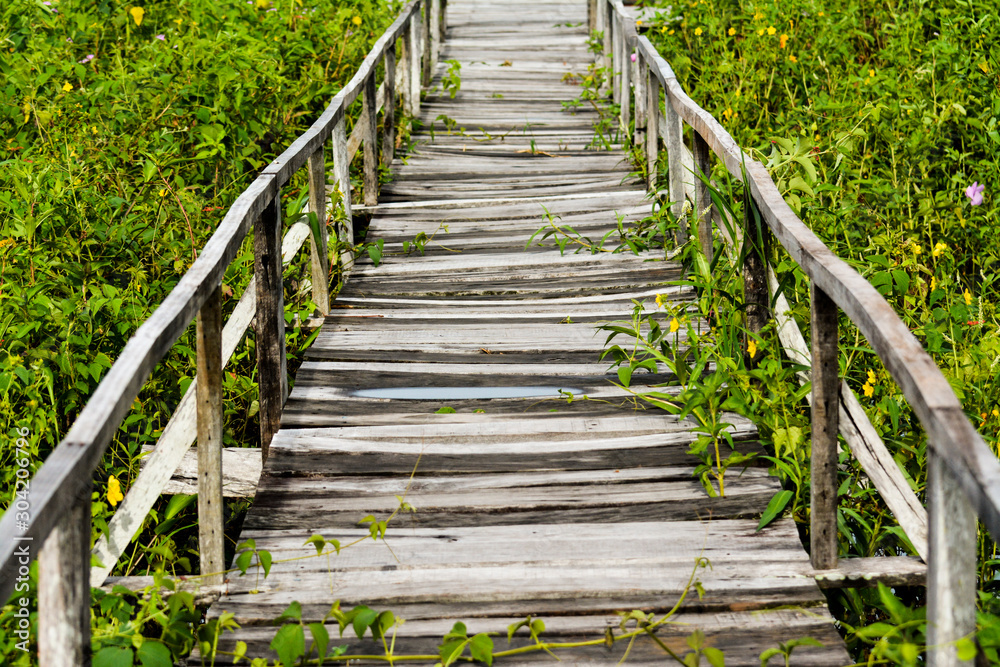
[64, 588]
[951, 566]
[389, 109]
[342, 177]
[272, 379]
[425, 43]
[639, 75]
[702, 198]
[319, 239]
[756, 242]
[652, 128]
[369, 120]
[675, 169]
[211, 539]
[825, 416]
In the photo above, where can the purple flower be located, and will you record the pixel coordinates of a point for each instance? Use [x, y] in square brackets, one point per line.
[975, 193]
[162, 38]
[87, 59]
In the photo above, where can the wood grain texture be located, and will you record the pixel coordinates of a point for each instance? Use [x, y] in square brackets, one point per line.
[272, 380]
[209, 395]
[318, 244]
[823, 540]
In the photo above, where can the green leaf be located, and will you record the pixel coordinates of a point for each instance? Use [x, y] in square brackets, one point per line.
[768, 654]
[154, 653]
[321, 639]
[625, 375]
[775, 508]
[875, 630]
[714, 656]
[383, 622]
[264, 558]
[450, 651]
[176, 504]
[363, 618]
[294, 612]
[317, 541]
[966, 648]
[481, 648]
[113, 656]
[289, 643]
[444, 411]
[243, 561]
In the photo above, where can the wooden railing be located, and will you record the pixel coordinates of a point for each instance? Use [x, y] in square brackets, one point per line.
[55, 513]
[963, 476]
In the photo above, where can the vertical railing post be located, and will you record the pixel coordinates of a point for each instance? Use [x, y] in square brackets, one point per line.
[369, 124]
[639, 75]
[425, 43]
[211, 539]
[625, 96]
[591, 17]
[272, 380]
[607, 46]
[675, 164]
[702, 199]
[756, 243]
[616, 57]
[415, 70]
[435, 35]
[951, 567]
[342, 177]
[319, 239]
[404, 68]
[443, 22]
[64, 588]
[600, 16]
[389, 110]
[825, 414]
[652, 128]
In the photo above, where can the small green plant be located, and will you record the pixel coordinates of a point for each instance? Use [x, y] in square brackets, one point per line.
[451, 80]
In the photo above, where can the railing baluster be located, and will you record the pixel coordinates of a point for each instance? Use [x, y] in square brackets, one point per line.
[625, 97]
[435, 35]
[607, 49]
[616, 58]
[211, 539]
[64, 589]
[951, 568]
[639, 75]
[270, 321]
[318, 245]
[756, 242]
[369, 119]
[413, 103]
[703, 201]
[591, 16]
[652, 128]
[675, 167]
[389, 110]
[825, 414]
[342, 176]
[425, 43]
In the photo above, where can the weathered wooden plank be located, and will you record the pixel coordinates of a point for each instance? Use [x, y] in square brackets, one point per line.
[320, 255]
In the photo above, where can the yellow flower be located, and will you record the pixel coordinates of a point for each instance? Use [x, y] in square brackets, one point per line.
[822, 14]
[939, 249]
[784, 40]
[793, 59]
[137, 14]
[115, 494]
[752, 347]
[771, 30]
[916, 248]
[871, 74]
[757, 16]
[760, 32]
[968, 298]
[732, 31]
[728, 113]
[869, 390]
[996, 413]
[698, 31]
[670, 32]
[659, 300]
[6, 242]
[871, 377]
[933, 283]
[674, 325]
[163, 192]
[639, 22]
[356, 20]
[67, 86]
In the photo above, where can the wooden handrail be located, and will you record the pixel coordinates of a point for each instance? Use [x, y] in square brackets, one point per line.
[59, 493]
[964, 474]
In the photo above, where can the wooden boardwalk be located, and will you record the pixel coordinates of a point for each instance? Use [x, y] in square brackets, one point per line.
[568, 511]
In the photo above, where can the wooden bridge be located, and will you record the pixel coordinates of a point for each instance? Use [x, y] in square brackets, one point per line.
[464, 382]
